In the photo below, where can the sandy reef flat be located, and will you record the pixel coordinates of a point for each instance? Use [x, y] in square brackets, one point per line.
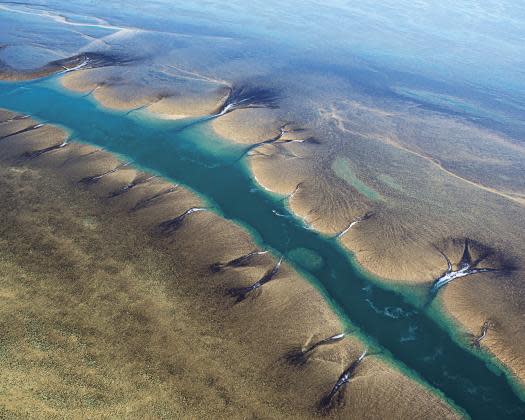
[124, 90]
[400, 196]
[105, 316]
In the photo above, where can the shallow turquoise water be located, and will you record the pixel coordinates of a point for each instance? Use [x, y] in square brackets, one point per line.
[194, 157]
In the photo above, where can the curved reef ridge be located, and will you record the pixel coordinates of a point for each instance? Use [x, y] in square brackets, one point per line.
[113, 318]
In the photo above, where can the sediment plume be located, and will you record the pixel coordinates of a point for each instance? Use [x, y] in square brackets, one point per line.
[300, 356]
[476, 340]
[36, 153]
[326, 402]
[366, 216]
[24, 130]
[237, 262]
[139, 180]
[93, 179]
[465, 267]
[148, 201]
[15, 118]
[91, 60]
[240, 98]
[247, 97]
[285, 129]
[156, 99]
[241, 293]
[170, 226]
[82, 61]
[289, 196]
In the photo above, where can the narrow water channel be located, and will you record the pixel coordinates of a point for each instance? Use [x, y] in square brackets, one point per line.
[210, 166]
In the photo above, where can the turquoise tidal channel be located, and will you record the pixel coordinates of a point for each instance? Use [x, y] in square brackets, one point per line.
[193, 156]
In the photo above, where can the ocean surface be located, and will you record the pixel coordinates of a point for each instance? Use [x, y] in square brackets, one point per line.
[471, 53]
